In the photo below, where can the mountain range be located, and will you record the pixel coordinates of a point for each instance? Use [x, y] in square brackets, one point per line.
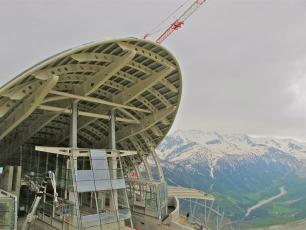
[240, 170]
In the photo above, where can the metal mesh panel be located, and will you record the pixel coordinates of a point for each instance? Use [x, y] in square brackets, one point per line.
[7, 210]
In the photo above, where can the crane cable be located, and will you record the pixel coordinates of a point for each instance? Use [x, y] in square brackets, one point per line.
[157, 28]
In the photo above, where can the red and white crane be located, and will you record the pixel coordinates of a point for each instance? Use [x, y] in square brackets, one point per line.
[179, 22]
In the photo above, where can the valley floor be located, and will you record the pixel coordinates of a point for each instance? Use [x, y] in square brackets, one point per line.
[267, 201]
[299, 225]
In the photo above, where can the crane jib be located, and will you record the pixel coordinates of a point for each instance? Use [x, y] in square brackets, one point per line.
[177, 24]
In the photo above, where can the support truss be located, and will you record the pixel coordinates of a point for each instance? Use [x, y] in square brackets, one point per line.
[27, 107]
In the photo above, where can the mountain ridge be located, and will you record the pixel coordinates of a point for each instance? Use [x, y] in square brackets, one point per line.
[241, 170]
[196, 145]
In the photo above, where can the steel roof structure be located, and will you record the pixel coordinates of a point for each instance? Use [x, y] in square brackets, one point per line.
[140, 79]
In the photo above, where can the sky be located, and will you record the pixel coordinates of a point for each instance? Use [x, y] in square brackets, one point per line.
[243, 61]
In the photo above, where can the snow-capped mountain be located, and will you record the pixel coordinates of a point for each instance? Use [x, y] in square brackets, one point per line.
[240, 168]
[196, 147]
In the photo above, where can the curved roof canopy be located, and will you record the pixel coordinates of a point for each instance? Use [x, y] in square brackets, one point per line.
[138, 78]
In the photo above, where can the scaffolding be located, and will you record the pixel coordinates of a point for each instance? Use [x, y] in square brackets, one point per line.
[93, 194]
[148, 197]
[8, 210]
[201, 214]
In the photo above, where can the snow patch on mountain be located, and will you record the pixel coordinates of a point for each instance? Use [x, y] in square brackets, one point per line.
[195, 147]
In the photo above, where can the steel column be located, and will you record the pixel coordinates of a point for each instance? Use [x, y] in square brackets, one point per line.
[74, 125]
[112, 131]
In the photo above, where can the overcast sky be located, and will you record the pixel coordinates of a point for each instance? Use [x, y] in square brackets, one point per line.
[243, 61]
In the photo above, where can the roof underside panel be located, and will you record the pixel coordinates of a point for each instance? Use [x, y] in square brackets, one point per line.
[138, 78]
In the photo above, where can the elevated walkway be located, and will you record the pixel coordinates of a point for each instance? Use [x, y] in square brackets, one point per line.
[177, 220]
[189, 193]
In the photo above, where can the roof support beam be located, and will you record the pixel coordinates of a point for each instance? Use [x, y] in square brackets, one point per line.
[20, 91]
[127, 76]
[148, 140]
[140, 87]
[85, 114]
[98, 101]
[62, 136]
[140, 67]
[145, 124]
[169, 85]
[165, 121]
[133, 64]
[64, 69]
[84, 57]
[95, 131]
[135, 91]
[27, 107]
[157, 131]
[158, 165]
[148, 104]
[137, 146]
[72, 77]
[92, 84]
[6, 105]
[99, 78]
[40, 123]
[160, 97]
[143, 155]
[148, 54]
[53, 98]
[128, 114]
[100, 57]
[87, 136]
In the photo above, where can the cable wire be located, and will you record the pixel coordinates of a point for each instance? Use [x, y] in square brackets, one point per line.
[156, 28]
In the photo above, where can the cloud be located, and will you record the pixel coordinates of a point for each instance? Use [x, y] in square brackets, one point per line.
[243, 61]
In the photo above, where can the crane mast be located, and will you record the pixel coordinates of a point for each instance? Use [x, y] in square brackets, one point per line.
[178, 23]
